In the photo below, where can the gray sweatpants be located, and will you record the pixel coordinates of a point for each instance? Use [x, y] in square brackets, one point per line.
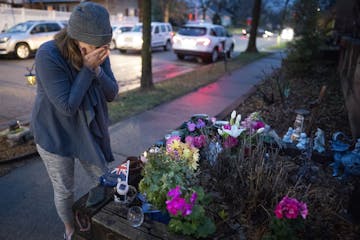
[61, 173]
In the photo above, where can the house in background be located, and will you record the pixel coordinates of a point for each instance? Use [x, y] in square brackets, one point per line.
[121, 11]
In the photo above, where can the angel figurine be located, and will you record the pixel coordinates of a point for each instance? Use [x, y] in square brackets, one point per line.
[319, 141]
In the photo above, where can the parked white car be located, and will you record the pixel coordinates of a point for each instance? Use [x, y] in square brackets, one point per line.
[117, 30]
[207, 41]
[161, 34]
[26, 37]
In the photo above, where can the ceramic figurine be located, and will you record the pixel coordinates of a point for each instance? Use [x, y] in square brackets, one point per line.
[287, 136]
[357, 147]
[302, 141]
[319, 141]
[349, 160]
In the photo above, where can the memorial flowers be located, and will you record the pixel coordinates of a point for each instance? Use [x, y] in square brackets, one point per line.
[187, 213]
[232, 132]
[288, 221]
[180, 151]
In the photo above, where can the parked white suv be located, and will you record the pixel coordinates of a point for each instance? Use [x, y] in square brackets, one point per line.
[161, 34]
[117, 30]
[26, 37]
[204, 40]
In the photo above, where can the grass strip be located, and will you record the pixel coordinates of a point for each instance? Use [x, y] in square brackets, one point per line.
[135, 101]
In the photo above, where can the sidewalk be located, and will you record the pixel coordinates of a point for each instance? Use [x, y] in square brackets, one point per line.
[27, 208]
[133, 136]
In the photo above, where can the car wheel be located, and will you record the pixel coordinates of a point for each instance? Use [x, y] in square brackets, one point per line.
[112, 45]
[167, 46]
[122, 50]
[22, 50]
[229, 54]
[214, 56]
[180, 56]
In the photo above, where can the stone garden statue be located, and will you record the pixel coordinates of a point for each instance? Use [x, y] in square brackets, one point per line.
[349, 160]
[319, 141]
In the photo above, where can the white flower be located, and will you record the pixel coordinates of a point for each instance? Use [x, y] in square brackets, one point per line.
[233, 114]
[234, 131]
[238, 119]
[220, 132]
[260, 130]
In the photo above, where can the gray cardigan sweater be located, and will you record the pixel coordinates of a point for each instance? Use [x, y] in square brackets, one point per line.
[70, 117]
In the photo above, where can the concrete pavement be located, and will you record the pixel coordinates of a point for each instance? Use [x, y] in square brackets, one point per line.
[26, 205]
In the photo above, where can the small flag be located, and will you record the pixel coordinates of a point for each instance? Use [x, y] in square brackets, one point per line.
[122, 170]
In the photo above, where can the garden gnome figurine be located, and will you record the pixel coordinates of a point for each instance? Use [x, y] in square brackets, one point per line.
[287, 136]
[319, 141]
[302, 141]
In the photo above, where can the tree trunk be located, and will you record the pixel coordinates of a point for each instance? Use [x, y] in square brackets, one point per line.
[167, 11]
[146, 82]
[284, 15]
[254, 25]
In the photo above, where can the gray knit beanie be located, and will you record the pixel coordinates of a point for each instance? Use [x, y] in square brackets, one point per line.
[89, 22]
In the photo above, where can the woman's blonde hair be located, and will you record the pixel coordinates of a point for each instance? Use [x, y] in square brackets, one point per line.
[69, 49]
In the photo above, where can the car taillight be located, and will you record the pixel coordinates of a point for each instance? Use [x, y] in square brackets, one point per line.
[203, 41]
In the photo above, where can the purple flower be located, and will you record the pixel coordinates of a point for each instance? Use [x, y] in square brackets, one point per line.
[200, 123]
[191, 126]
[227, 127]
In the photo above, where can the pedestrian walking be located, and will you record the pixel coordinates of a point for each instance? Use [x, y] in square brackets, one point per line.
[70, 116]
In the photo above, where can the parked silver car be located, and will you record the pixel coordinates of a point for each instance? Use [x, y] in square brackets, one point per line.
[26, 37]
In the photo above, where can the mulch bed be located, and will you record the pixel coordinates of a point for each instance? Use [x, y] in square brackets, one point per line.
[331, 199]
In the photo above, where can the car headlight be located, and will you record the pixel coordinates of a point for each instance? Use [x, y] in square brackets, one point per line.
[4, 39]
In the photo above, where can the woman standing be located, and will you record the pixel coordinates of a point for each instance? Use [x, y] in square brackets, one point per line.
[70, 118]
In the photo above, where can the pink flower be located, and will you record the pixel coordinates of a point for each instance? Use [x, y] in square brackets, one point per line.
[189, 140]
[278, 212]
[230, 142]
[291, 208]
[176, 205]
[303, 210]
[291, 211]
[175, 192]
[199, 141]
[193, 198]
[258, 124]
[227, 126]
